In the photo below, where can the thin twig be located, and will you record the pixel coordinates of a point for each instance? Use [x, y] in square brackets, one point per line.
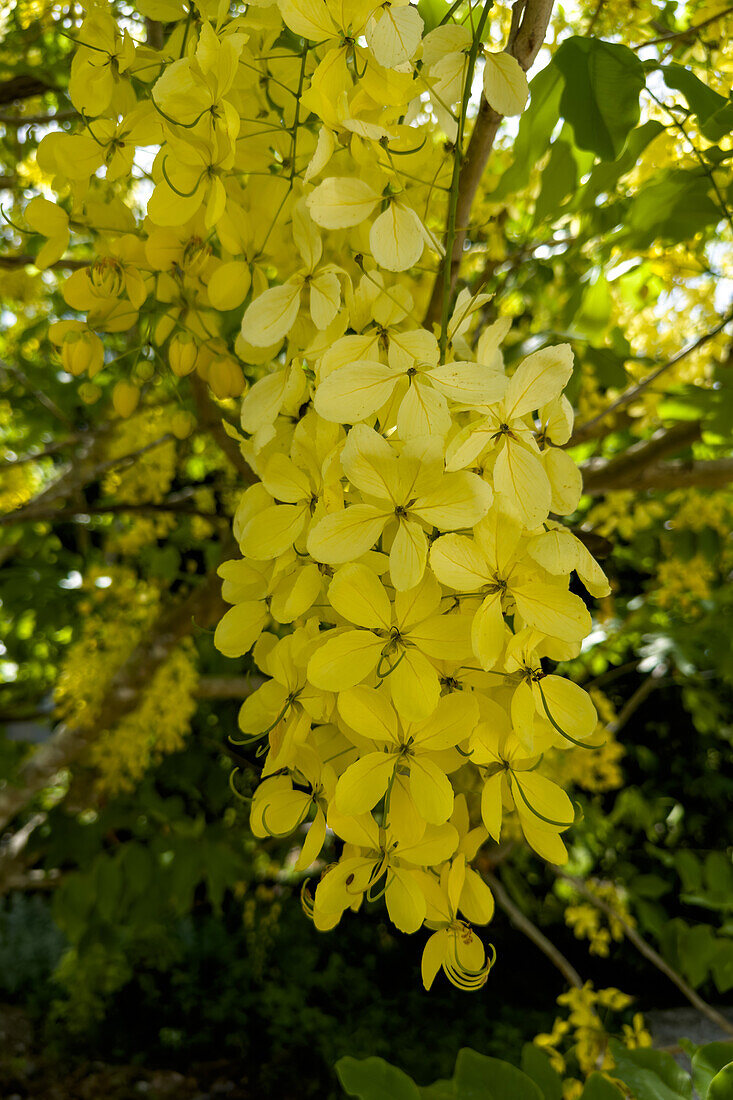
[654, 680]
[648, 952]
[584, 431]
[684, 34]
[532, 932]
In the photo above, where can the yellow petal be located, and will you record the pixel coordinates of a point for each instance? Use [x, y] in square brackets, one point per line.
[357, 593]
[458, 563]
[396, 237]
[546, 843]
[469, 383]
[437, 844]
[460, 500]
[370, 464]
[452, 721]
[313, 842]
[354, 392]
[434, 953]
[273, 531]
[229, 285]
[364, 783]
[344, 661]
[408, 555]
[296, 594]
[345, 535]
[369, 713]
[394, 35]
[405, 900]
[477, 901]
[571, 707]
[325, 298]
[445, 637]
[491, 808]
[240, 627]
[520, 477]
[552, 610]
[269, 318]
[414, 686]
[566, 480]
[340, 202]
[423, 411]
[308, 18]
[538, 379]
[431, 790]
[285, 481]
[548, 805]
[488, 632]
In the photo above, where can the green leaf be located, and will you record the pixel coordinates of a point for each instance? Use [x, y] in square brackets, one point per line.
[650, 1074]
[697, 947]
[537, 1065]
[721, 1086]
[714, 112]
[598, 1087]
[600, 99]
[673, 207]
[478, 1077]
[707, 1061]
[605, 176]
[535, 131]
[558, 180]
[721, 966]
[375, 1079]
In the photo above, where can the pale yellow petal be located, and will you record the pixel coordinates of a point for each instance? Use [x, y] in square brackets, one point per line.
[345, 535]
[520, 477]
[370, 713]
[408, 555]
[364, 783]
[357, 593]
[344, 661]
[269, 318]
[355, 392]
[340, 202]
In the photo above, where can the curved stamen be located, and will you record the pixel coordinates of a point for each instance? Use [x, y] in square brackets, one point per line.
[553, 723]
[530, 807]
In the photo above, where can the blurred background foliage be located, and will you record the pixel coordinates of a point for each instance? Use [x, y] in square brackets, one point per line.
[141, 922]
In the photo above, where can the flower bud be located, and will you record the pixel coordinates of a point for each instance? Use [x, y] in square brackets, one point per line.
[182, 354]
[90, 392]
[182, 424]
[82, 352]
[125, 397]
[226, 378]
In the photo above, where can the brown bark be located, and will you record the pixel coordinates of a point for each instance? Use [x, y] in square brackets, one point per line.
[530, 20]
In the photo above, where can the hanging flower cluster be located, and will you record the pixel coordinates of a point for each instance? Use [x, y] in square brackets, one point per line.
[403, 587]
[404, 579]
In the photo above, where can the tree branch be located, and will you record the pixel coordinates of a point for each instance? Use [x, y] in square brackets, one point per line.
[23, 87]
[38, 120]
[524, 44]
[532, 932]
[24, 260]
[648, 952]
[627, 467]
[715, 473]
[689, 33]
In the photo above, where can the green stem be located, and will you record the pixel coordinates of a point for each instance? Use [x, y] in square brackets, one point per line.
[457, 162]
